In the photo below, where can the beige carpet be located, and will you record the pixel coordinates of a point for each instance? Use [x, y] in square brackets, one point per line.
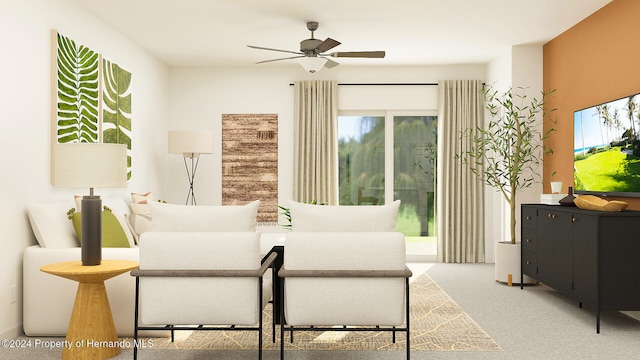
[437, 324]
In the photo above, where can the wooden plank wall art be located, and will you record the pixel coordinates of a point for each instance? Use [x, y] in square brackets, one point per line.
[250, 162]
[91, 97]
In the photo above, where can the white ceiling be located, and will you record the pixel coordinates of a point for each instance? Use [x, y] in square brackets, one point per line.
[412, 32]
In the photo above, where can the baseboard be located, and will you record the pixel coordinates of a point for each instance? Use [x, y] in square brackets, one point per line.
[421, 258]
[632, 314]
[12, 333]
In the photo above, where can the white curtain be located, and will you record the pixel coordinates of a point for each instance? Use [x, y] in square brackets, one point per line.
[316, 141]
[460, 193]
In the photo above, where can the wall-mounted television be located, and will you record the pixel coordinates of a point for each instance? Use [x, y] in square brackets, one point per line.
[606, 148]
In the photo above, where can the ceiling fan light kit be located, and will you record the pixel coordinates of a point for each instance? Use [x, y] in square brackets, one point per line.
[312, 64]
[312, 55]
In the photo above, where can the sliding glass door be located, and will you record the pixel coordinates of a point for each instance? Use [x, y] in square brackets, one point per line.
[375, 147]
[361, 152]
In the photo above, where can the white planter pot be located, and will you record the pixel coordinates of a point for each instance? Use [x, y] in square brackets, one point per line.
[507, 265]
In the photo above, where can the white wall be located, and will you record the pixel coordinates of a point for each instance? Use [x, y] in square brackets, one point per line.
[25, 138]
[201, 95]
[495, 208]
[527, 73]
[518, 66]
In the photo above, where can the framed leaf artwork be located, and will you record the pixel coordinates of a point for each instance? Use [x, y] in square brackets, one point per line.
[91, 97]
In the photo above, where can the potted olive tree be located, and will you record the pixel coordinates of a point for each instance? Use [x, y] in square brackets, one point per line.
[508, 151]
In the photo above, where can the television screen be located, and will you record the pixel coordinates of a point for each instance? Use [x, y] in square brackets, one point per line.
[606, 148]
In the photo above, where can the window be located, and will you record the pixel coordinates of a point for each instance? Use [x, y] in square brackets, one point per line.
[414, 149]
[375, 147]
[361, 150]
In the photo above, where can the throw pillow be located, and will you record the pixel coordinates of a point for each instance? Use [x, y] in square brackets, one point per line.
[140, 204]
[140, 218]
[113, 233]
[138, 224]
[170, 217]
[49, 225]
[78, 200]
[323, 218]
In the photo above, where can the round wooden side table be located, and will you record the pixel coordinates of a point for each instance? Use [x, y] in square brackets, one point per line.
[91, 333]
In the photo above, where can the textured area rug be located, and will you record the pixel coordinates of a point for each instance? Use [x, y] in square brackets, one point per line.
[437, 324]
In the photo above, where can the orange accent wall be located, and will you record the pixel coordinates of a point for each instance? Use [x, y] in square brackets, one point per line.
[595, 61]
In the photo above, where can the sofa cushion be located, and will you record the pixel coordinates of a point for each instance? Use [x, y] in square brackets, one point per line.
[338, 250]
[170, 217]
[318, 218]
[51, 227]
[115, 231]
[232, 250]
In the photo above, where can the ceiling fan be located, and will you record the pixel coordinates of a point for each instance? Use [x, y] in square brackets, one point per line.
[313, 52]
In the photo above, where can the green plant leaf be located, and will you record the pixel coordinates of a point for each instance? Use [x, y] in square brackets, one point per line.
[507, 154]
[77, 100]
[116, 111]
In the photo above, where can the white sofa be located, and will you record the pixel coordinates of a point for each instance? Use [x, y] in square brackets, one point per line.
[48, 300]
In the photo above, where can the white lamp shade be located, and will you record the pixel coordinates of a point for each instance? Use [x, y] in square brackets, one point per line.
[190, 143]
[312, 63]
[90, 165]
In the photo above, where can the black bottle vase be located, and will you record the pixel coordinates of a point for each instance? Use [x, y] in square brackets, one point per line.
[568, 200]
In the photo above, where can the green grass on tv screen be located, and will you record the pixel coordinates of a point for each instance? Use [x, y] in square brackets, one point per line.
[607, 171]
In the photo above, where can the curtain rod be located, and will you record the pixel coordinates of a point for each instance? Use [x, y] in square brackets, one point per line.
[386, 84]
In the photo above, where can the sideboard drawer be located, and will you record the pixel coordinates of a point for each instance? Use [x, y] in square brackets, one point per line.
[529, 242]
[529, 216]
[529, 265]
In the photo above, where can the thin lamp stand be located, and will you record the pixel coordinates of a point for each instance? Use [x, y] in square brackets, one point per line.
[191, 175]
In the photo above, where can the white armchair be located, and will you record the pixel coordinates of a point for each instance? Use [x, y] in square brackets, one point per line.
[204, 278]
[351, 274]
[202, 265]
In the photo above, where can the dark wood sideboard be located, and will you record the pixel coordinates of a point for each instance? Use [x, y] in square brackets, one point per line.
[591, 256]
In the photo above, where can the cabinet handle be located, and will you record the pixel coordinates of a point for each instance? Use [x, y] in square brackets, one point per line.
[528, 217]
[573, 219]
[528, 262]
[552, 216]
[528, 240]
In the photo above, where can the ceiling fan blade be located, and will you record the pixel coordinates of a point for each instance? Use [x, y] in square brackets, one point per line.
[287, 58]
[359, 54]
[327, 45]
[330, 63]
[271, 49]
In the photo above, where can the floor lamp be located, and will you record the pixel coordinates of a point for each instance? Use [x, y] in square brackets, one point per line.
[90, 165]
[191, 144]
